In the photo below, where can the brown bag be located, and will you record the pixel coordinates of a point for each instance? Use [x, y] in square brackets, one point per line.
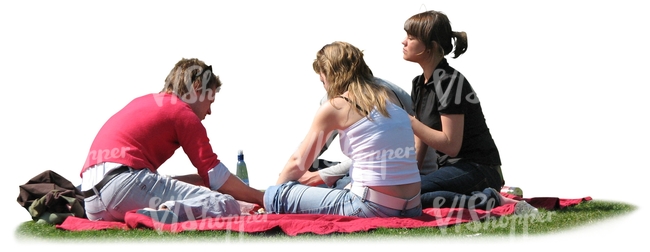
[50, 197]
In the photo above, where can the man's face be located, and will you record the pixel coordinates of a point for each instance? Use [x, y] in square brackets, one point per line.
[202, 106]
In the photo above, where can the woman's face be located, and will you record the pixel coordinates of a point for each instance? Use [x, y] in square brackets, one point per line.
[414, 50]
[323, 79]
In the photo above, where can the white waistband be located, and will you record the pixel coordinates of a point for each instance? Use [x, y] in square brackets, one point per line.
[91, 176]
[367, 193]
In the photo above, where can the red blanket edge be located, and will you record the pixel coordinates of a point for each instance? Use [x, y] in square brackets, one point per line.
[294, 224]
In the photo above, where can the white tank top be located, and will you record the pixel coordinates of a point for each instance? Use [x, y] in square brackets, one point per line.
[382, 150]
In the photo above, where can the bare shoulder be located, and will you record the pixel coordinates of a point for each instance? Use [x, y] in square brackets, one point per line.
[335, 105]
[332, 112]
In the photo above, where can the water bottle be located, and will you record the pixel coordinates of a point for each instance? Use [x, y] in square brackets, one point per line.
[513, 190]
[242, 172]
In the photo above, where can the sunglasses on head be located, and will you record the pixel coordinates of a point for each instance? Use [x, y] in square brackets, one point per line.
[206, 71]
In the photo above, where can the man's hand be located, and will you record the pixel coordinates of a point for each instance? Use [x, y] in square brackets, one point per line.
[240, 191]
[233, 186]
[193, 179]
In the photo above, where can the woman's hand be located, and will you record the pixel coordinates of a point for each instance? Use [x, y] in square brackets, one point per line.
[311, 179]
[449, 140]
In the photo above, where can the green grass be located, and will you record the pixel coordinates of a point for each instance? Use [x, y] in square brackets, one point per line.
[546, 222]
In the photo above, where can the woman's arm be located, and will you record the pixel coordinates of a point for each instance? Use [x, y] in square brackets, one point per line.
[321, 128]
[327, 175]
[449, 140]
[420, 149]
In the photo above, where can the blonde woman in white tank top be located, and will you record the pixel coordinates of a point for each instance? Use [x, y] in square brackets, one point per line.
[376, 135]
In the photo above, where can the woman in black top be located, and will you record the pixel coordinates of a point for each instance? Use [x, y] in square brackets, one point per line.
[448, 114]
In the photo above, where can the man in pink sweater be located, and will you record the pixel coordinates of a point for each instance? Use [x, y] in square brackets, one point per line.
[120, 172]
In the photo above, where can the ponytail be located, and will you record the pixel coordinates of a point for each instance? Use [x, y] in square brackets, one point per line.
[460, 43]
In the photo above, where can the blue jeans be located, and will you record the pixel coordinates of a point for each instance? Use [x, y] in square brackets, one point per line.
[485, 200]
[462, 177]
[294, 198]
[342, 182]
[137, 189]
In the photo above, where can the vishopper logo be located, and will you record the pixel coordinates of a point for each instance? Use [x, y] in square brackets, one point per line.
[515, 223]
[375, 159]
[457, 80]
[202, 93]
[381, 159]
[103, 155]
[230, 222]
[188, 218]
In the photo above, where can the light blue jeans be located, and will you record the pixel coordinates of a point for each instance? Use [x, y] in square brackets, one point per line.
[137, 189]
[293, 197]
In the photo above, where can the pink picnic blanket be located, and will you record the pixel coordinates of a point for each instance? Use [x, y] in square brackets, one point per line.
[294, 224]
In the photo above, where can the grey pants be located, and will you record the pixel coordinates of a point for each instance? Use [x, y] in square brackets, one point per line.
[137, 189]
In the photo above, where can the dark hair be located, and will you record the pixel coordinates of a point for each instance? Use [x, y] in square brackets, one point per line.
[434, 26]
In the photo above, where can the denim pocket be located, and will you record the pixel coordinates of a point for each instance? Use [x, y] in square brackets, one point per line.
[94, 208]
[358, 212]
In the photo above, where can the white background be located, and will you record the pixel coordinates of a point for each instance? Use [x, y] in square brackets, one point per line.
[561, 85]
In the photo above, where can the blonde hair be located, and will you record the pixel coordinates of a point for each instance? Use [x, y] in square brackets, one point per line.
[434, 26]
[186, 74]
[345, 70]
